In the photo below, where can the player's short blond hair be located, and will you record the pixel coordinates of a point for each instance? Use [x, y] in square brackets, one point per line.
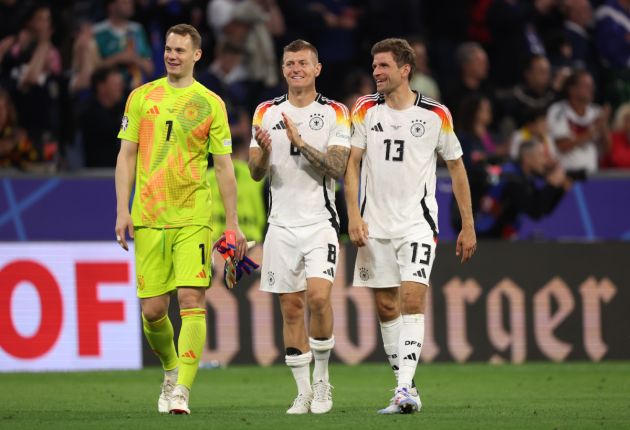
[400, 49]
[186, 29]
[301, 45]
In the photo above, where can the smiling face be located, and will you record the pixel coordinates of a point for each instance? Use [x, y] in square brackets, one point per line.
[300, 69]
[387, 75]
[180, 56]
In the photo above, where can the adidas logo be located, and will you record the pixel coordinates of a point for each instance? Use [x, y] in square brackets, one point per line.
[420, 273]
[189, 354]
[201, 275]
[329, 272]
[279, 126]
[377, 127]
[411, 356]
[154, 110]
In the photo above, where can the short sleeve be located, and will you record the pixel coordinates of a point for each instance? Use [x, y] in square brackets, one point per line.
[220, 137]
[130, 124]
[448, 144]
[340, 132]
[359, 136]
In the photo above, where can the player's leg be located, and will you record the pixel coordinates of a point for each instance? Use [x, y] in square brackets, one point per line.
[191, 262]
[298, 356]
[282, 273]
[415, 255]
[154, 282]
[377, 268]
[321, 341]
[320, 248]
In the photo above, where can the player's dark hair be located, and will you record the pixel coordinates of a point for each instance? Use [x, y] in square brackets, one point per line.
[400, 49]
[186, 29]
[300, 45]
[573, 80]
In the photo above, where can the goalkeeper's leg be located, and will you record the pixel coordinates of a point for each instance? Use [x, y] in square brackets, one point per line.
[158, 331]
[298, 356]
[321, 341]
[192, 337]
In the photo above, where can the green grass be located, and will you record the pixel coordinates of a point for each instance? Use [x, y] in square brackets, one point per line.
[471, 396]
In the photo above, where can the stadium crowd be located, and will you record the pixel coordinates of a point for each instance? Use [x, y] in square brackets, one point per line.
[555, 71]
[511, 71]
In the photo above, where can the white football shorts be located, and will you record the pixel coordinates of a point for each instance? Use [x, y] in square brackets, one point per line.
[293, 254]
[384, 263]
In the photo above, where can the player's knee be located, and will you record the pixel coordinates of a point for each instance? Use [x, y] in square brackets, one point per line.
[318, 304]
[293, 312]
[154, 311]
[387, 310]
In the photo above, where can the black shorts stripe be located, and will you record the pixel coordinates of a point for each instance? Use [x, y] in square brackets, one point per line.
[427, 214]
[334, 221]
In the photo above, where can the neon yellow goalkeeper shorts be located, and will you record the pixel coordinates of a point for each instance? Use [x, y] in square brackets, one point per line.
[171, 258]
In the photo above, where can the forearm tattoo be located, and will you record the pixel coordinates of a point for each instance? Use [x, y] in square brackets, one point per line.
[332, 163]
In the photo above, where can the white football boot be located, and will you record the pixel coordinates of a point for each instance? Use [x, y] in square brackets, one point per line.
[322, 397]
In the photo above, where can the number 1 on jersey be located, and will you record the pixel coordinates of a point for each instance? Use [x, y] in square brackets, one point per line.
[169, 125]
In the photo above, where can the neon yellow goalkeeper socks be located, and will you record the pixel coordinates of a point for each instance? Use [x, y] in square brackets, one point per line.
[159, 334]
[192, 338]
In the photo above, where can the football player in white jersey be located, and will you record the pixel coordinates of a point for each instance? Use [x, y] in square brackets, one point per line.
[302, 141]
[392, 218]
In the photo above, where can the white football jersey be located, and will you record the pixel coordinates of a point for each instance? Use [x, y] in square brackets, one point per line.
[397, 192]
[299, 195]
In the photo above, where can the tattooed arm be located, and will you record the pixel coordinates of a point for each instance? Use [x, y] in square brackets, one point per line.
[332, 163]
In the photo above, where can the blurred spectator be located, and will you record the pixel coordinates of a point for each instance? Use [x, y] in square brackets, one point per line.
[524, 187]
[336, 40]
[474, 117]
[578, 126]
[534, 129]
[533, 93]
[227, 76]
[85, 58]
[123, 43]
[100, 121]
[577, 26]
[36, 71]
[619, 155]
[612, 35]
[613, 32]
[422, 81]
[16, 149]
[250, 23]
[473, 67]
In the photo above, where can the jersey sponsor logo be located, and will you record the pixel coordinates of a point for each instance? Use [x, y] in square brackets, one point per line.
[377, 127]
[140, 282]
[417, 127]
[279, 126]
[227, 142]
[153, 111]
[124, 123]
[364, 273]
[316, 122]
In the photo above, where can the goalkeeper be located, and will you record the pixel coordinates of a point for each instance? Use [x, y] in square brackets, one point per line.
[168, 128]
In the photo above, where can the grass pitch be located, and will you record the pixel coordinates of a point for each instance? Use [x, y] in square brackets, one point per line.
[470, 396]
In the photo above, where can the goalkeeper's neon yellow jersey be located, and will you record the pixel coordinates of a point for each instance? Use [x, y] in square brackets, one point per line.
[175, 129]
